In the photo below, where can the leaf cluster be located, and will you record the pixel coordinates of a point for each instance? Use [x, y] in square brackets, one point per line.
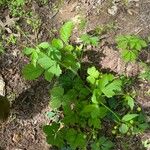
[80, 107]
[130, 46]
[49, 58]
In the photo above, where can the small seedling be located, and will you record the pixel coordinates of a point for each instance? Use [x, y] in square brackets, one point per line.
[130, 46]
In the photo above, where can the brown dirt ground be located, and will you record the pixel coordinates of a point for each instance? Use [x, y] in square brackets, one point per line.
[23, 129]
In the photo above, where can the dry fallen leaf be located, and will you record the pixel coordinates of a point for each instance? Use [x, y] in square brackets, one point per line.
[10, 22]
[16, 137]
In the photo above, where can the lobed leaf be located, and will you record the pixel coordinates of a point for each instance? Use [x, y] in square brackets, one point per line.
[57, 43]
[66, 30]
[44, 45]
[30, 72]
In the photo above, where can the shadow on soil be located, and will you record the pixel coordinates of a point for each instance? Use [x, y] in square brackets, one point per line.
[91, 58]
[32, 101]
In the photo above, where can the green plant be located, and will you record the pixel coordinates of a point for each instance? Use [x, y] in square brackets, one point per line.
[1, 48]
[145, 74]
[130, 46]
[11, 39]
[100, 30]
[46, 58]
[44, 1]
[16, 7]
[81, 106]
[89, 40]
[33, 20]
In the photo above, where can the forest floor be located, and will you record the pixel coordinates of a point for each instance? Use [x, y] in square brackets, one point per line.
[29, 100]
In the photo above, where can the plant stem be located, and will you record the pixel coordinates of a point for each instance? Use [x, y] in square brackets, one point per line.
[111, 112]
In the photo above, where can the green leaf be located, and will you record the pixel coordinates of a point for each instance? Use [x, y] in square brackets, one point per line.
[102, 144]
[20, 2]
[48, 75]
[44, 45]
[96, 96]
[55, 54]
[56, 97]
[105, 79]
[105, 143]
[57, 43]
[83, 93]
[138, 46]
[1, 48]
[71, 62]
[129, 117]
[93, 72]
[69, 48]
[123, 128]
[145, 74]
[30, 72]
[56, 70]
[129, 55]
[133, 45]
[55, 103]
[91, 79]
[95, 122]
[66, 30]
[130, 101]
[143, 43]
[34, 58]
[123, 45]
[67, 80]
[130, 46]
[94, 41]
[57, 91]
[53, 135]
[46, 62]
[130, 42]
[87, 39]
[75, 139]
[28, 50]
[110, 89]
[71, 117]
[94, 111]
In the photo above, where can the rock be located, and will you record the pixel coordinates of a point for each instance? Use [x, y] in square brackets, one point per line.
[113, 10]
[2, 86]
[4, 103]
[4, 108]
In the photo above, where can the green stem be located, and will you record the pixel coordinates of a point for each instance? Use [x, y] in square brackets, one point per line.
[111, 112]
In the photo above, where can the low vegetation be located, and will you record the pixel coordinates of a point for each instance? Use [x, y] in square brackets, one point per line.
[82, 106]
[88, 109]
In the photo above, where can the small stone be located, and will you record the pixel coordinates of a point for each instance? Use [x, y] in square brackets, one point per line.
[113, 10]
[2, 86]
[16, 137]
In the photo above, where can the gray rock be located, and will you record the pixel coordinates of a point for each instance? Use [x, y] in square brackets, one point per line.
[2, 86]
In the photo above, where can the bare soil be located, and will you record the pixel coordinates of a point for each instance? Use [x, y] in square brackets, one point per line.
[29, 100]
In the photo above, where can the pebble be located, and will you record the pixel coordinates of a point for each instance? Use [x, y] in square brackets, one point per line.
[2, 86]
[113, 10]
